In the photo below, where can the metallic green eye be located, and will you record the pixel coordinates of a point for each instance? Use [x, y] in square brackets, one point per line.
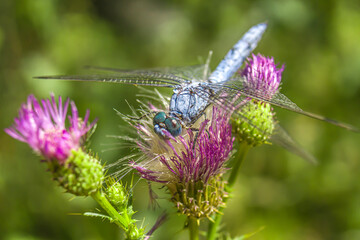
[164, 125]
[159, 118]
[173, 126]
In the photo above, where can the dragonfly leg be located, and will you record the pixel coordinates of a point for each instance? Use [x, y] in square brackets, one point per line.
[197, 135]
[195, 139]
[194, 129]
[143, 116]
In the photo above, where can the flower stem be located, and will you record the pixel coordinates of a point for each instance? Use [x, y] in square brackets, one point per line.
[241, 153]
[119, 220]
[243, 150]
[193, 228]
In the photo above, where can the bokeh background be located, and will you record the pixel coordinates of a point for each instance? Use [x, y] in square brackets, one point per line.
[317, 40]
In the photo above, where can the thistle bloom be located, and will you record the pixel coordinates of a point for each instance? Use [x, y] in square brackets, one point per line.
[198, 158]
[42, 126]
[262, 75]
[190, 166]
[261, 78]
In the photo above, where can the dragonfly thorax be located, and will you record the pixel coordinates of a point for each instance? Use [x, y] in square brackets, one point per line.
[166, 124]
[189, 102]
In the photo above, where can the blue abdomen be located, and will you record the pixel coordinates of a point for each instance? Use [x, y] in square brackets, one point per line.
[237, 55]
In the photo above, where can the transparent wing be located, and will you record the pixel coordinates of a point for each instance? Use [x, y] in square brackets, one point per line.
[145, 79]
[223, 101]
[163, 77]
[235, 89]
[183, 74]
[281, 138]
[159, 77]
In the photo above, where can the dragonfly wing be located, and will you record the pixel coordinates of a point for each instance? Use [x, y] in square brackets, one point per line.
[134, 78]
[223, 101]
[236, 88]
[184, 74]
[283, 139]
[279, 137]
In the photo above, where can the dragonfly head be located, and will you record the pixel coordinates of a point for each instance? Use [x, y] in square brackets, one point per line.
[164, 124]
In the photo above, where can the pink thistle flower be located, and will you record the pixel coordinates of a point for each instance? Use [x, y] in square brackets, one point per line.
[262, 75]
[190, 166]
[198, 158]
[42, 126]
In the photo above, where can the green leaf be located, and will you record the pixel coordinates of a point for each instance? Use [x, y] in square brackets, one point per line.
[91, 214]
[248, 235]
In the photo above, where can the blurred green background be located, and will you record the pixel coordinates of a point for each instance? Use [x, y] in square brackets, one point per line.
[317, 40]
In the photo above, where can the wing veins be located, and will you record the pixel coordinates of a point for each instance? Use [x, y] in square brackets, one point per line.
[280, 100]
[185, 72]
[225, 104]
[284, 140]
[147, 80]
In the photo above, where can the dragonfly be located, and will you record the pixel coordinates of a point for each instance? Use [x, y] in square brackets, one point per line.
[195, 88]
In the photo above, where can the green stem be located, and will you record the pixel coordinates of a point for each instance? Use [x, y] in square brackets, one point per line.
[121, 221]
[214, 226]
[193, 228]
[243, 150]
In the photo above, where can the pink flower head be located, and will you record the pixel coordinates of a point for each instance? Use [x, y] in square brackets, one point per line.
[262, 76]
[199, 158]
[42, 126]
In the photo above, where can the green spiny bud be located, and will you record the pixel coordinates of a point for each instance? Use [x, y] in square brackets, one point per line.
[81, 174]
[260, 127]
[117, 195]
[134, 233]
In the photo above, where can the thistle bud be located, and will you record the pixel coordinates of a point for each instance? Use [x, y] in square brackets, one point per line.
[134, 233]
[117, 195]
[81, 174]
[258, 130]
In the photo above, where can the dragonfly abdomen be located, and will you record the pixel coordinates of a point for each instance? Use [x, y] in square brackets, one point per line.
[237, 55]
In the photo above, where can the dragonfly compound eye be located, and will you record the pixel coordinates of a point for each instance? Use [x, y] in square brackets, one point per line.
[159, 118]
[173, 126]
